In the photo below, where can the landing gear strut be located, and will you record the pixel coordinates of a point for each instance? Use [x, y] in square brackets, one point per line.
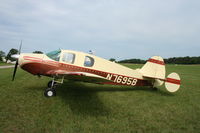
[49, 84]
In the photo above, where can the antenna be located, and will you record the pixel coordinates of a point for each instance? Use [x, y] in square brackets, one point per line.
[91, 52]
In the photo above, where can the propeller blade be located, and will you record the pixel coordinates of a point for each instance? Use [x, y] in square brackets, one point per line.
[15, 70]
[20, 48]
[16, 64]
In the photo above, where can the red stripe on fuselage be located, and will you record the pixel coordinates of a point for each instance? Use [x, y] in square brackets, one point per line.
[29, 57]
[33, 60]
[173, 81]
[156, 61]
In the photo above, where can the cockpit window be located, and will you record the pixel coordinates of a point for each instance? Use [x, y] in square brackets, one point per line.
[89, 61]
[68, 57]
[54, 55]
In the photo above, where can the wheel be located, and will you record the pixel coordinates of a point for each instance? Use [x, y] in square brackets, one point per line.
[50, 83]
[50, 92]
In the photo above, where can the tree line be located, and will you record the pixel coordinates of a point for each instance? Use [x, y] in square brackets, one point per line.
[173, 60]
[135, 61]
[183, 60]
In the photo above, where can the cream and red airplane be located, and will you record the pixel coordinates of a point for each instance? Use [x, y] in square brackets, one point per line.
[73, 65]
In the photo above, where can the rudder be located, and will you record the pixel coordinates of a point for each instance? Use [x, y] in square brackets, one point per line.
[154, 68]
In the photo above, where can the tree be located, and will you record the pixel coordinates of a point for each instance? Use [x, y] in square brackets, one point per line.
[2, 54]
[112, 59]
[183, 60]
[38, 52]
[10, 53]
[136, 61]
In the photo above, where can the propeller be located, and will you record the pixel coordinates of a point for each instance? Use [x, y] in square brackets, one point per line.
[16, 64]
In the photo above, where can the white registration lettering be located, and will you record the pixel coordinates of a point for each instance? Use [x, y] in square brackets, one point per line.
[109, 77]
[116, 77]
[134, 82]
[129, 81]
[124, 80]
[119, 79]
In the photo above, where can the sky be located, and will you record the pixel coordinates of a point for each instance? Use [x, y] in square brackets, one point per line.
[119, 29]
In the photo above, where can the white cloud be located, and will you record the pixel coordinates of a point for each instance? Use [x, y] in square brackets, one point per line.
[147, 27]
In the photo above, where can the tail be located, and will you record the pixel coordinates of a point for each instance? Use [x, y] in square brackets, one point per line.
[154, 70]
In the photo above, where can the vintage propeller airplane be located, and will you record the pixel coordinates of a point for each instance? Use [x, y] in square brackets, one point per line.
[73, 65]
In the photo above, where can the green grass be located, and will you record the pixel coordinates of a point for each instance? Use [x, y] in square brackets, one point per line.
[4, 64]
[85, 108]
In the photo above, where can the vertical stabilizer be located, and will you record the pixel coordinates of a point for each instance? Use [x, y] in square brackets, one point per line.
[154, 68]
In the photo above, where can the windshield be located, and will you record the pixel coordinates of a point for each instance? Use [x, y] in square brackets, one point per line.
[55, 55]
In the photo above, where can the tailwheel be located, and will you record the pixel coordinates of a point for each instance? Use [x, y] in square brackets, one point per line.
[49, 92]
[49, 84]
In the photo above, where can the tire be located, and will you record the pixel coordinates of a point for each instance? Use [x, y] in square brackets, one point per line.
[50, 92]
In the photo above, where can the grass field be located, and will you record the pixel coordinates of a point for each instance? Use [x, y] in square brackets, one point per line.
[4, 64]
[88, 108]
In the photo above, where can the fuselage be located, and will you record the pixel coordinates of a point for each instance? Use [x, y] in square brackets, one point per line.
[60, 62]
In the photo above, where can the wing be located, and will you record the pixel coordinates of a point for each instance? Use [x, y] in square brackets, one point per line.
[79, 76]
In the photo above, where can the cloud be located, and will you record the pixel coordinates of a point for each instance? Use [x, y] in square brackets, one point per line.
[113, 28]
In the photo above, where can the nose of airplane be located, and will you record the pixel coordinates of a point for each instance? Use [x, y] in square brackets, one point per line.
[25, 58]
[31, 62]
[15, 56]
[20, 59]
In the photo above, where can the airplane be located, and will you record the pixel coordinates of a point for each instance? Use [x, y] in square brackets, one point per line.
[79, 66]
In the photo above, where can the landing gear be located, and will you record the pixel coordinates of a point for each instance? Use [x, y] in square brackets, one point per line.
[155, 83]
[51, 90]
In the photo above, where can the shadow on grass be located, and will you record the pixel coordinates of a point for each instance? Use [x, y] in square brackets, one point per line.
[93, 88]
[83, 98]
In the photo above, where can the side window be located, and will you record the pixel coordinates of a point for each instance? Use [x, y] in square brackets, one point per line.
[89, 61]
[68, 58]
